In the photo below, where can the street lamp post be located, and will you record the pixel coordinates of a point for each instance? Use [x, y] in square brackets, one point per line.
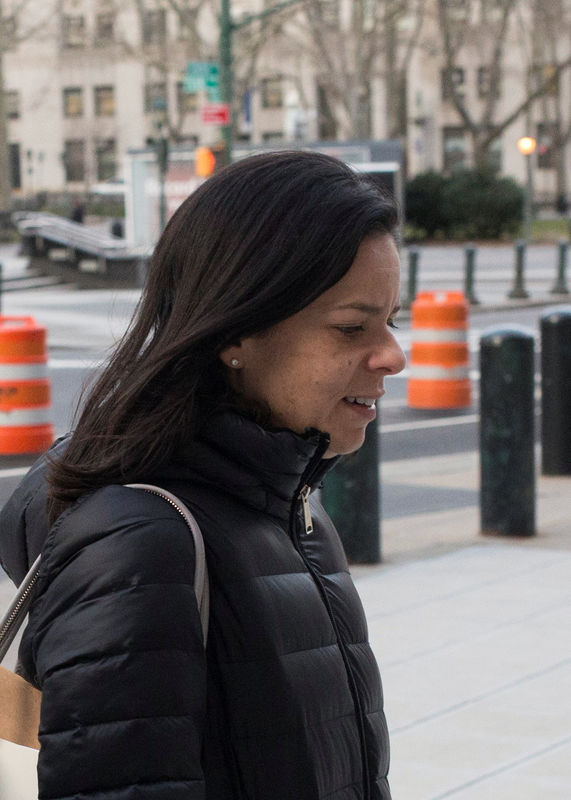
[227, 28]
[161, 146]
[163, 164]
[526, 146]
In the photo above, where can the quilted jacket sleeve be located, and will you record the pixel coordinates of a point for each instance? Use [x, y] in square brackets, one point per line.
[115, 644]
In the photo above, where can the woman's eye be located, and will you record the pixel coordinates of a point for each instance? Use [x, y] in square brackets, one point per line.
[392, 324]
[350, 330]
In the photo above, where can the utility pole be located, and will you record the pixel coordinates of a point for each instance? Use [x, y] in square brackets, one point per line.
[227, 28]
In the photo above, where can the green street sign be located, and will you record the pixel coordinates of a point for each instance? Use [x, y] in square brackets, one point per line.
[201, 76]
[213, 76]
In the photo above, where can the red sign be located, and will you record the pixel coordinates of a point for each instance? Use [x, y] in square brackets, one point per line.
[215, 114]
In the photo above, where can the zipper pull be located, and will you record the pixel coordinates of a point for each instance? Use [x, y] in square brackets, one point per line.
[304, 497]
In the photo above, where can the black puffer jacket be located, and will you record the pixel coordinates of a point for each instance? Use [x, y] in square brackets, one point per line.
[285, 703]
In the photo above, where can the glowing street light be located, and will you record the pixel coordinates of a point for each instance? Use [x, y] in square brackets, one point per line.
[526, 146]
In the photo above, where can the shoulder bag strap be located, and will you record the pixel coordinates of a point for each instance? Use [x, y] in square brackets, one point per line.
[18, 607]
[201, 586]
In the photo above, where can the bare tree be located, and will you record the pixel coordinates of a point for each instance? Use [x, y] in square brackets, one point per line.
[485, 123]
[170, 56]
[17, 23]
[551, 35]
[354, 46]
[163, 55]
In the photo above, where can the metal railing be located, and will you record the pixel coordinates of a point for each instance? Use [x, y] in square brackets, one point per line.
[74, 235]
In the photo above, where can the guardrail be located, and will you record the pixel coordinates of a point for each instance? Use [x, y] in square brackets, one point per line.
[59, 246]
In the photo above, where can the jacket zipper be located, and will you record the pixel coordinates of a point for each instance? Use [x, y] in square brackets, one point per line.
[303, 497]
[307, 521]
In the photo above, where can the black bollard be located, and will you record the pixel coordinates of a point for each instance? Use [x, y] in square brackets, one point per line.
[470, 253]
[560, 286]
[518, 289]
[556, 391]
[413, 257]
[507, 471]
[351, 496]
[1, 285]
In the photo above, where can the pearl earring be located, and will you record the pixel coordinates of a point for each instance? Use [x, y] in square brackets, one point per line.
[234, 363]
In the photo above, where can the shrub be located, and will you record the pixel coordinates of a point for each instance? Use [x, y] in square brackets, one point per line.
[472, 203]
[481, 204]
[423, 202]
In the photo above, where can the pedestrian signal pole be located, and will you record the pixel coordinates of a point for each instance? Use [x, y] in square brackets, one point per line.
[227, 28]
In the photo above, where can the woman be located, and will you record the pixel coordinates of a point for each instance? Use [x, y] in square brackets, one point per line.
[255, 358]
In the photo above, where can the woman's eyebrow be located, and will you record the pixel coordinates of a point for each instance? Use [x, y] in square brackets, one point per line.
[366, 308]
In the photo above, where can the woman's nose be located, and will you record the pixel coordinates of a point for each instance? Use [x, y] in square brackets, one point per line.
[388, 356]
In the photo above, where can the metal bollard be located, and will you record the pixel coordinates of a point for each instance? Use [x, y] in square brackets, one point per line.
[413, 258]
[560, 286]
[470, 265]
[507, 470]
[518, 290]
[1, 285]
[351, 496]
[556, 391]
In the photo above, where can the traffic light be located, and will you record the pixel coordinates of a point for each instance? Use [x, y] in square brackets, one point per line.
[208, 160]
[204, 162]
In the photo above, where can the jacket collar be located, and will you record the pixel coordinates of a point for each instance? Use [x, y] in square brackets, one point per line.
[266, 469]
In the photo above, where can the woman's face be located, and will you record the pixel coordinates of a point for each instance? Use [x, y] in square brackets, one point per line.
[325, 366]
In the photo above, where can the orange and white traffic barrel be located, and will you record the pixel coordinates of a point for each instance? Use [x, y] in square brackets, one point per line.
[25, 393]
[439, 361]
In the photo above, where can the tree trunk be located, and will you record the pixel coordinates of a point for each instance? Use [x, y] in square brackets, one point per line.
[5, 193]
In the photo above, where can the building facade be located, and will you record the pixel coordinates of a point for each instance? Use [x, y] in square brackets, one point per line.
[85, 81]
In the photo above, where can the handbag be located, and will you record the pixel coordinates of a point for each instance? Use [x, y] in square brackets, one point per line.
[20, 701]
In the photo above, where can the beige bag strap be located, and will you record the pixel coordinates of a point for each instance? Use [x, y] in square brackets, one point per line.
[19, 700]
[18, 607]
[201, 586]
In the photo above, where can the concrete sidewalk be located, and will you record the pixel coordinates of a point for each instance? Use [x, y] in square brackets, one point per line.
[473, 637]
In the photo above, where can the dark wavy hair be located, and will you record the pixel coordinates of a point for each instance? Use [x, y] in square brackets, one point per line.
[253, 245]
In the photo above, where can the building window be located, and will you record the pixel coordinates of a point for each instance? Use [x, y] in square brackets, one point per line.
[491, 9]
[458, 9]
[272, 136]
[104, 28]
[545, 75]
[272, 93]
[104, 101]
[330, 13]
[327, 128]
[190, 140]
[485, 83]
[12, 102]
[73, 101]
[496, 155]
[10, 26]
[14, 166]
[105, 153]
[74, 160]
[74, 31]
[187, 102]
[154, 27]
[546, 138]
[452, 78]
[453, 149]
[155, 97]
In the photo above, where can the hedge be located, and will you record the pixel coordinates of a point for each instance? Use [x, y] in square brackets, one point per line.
[474, 203]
